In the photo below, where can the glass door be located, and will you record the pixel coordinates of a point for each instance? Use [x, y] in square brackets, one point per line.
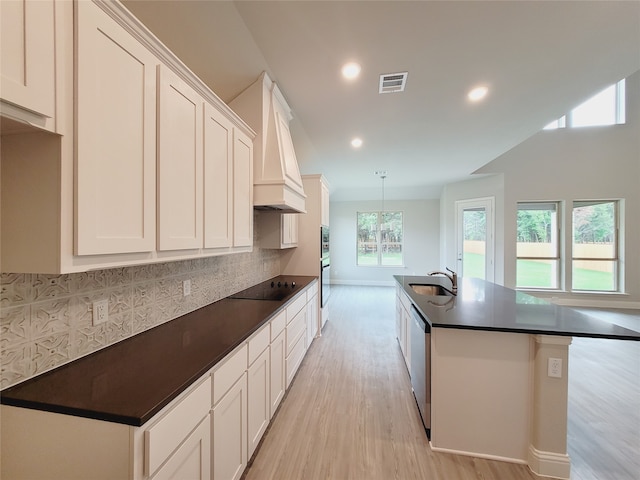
[474, 234]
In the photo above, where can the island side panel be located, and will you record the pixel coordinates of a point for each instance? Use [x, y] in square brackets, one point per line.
[482, 390]
[45, 445]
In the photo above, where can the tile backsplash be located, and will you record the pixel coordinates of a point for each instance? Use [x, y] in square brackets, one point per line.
[46, 320]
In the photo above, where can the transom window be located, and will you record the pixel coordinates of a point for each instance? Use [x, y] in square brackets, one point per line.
[604, 108]
[380, 239]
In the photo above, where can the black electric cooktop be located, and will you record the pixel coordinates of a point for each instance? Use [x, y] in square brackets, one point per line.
[278, 288]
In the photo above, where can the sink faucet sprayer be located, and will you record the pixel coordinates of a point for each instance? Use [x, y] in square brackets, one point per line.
[453, 276]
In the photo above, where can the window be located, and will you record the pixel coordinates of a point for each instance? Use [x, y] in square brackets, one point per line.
[380, 237]
[595, 246]
[604, 108]
[538, 245]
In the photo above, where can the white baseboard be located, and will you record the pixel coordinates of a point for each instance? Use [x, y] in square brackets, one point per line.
[365, 283]
[549, 464]
[478, 455]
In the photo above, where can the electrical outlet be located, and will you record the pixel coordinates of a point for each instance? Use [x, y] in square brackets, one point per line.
[554, 368]
[186, 287]
[100, 311]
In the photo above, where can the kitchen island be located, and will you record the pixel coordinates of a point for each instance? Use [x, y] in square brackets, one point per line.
[492, 395]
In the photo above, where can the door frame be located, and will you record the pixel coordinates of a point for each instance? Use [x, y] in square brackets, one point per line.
[488, 203]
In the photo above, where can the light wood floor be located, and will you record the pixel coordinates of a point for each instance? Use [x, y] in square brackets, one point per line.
[350, 413]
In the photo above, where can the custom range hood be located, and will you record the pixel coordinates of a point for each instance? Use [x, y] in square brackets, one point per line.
[277, 184]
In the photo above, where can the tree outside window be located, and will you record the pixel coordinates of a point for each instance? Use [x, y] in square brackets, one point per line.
[595, 246]
[538, 248]
[380, 239]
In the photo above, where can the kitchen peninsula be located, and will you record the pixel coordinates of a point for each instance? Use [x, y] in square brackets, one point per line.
[490, 351]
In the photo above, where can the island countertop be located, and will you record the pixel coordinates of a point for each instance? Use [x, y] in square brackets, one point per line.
[132, 380]
[482, 305]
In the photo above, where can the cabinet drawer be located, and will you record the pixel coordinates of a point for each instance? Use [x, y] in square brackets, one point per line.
[295, 330]
[312, 291]
[277, 324]
[294, 359]
[228, 373]
[295, 306]
[167, 434]
[258, 343]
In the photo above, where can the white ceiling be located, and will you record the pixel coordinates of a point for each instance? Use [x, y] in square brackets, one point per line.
[538, 58]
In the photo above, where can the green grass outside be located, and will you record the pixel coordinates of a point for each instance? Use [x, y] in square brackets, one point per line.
[538, 274]
[371, 259]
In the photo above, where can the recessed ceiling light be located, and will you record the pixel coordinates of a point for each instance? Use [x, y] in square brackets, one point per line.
[356, 142]
[350, 70]
[478, 93]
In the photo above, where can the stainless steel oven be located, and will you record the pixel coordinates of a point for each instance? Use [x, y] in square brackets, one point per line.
[325, 265]
[421, 366]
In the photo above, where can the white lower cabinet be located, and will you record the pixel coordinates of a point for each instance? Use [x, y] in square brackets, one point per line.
[165, 437]
[312, 314]
[230, 433]
[192, 460]
[403, 324]
[278, 384]
[258, 387]
[209, 432]
[258, 400]
[295, 344]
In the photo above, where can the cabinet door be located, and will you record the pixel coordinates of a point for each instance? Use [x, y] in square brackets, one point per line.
[312, 319]
[193, 459]
[218, 179]
[324, 204]
[406, 337]
[289, 229]
[180, 164]
[242, 190]
[258, 414]
[28, 53]
[116, 137]
[278, 383]
[230, 433]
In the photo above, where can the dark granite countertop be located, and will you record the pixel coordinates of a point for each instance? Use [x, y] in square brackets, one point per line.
[132, 380]
[482, 305]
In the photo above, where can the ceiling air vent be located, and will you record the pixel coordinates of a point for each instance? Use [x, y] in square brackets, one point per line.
[393, 82]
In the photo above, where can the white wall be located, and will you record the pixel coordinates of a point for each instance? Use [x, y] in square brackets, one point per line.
[565, 165]
[421, 241]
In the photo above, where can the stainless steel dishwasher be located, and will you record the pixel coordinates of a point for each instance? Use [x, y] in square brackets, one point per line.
[421, 366]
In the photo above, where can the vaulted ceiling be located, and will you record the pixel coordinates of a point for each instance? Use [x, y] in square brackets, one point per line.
[538, 59]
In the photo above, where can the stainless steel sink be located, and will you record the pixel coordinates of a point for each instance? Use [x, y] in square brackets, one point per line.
[431, 290]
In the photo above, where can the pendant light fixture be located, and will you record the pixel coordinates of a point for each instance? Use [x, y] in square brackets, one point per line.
[383, 175]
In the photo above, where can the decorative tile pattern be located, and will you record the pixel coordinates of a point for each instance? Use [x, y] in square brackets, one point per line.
[46, 320]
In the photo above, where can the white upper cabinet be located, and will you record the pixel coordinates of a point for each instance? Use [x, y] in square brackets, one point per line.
[218, 179]
[116, 137]
[180, 164]
[324, 204]
[242, 190]
[137, 170]
[27, 63]
[278, 230]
